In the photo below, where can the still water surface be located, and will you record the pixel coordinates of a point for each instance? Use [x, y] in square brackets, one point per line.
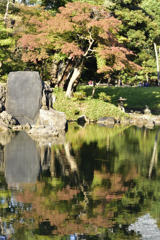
[96, 183]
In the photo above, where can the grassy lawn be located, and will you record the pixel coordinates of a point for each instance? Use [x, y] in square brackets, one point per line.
[137, 98]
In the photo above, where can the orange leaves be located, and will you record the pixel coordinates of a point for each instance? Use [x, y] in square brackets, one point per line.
[81, 17]
[71, 49]
[78, 29]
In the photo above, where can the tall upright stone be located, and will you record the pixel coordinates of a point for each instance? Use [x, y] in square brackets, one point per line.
[24, 96]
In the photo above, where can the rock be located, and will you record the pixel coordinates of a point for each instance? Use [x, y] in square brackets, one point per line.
[126, 120]
[56, 120]
[139, 125]
[139, 122]
[109, 120]
[3, 127]
[43, 131]
[157, 120]
[150, 124]
[17, 128]
[8, 118]
[118, 121]
[82, 119]
[24, 96]
[27, 126]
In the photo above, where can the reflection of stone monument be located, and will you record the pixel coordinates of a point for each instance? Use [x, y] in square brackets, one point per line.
[22, 162]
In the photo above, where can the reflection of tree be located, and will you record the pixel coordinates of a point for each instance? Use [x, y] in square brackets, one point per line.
[154, 156]
[68, 210]
[95, 186]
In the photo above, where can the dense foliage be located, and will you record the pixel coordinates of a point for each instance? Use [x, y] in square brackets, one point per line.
[68, 42]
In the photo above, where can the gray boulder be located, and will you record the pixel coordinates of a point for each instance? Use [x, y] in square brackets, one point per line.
[51, 119]
[8, 118]
[3, 126]
[24, 96]
[82, 119]
[150, 124]
[109, 120]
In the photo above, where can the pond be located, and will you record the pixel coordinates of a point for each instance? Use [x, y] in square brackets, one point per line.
[95, 182]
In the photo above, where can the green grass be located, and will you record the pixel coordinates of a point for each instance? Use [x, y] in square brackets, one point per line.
[92, 108]
[137, 98]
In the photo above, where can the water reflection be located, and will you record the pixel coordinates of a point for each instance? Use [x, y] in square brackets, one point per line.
[21, 160]
[93, 185]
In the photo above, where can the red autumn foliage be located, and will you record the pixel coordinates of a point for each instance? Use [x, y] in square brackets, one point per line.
[79, 29]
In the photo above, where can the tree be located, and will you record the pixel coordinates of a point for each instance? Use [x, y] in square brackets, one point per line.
[140, 30]
[152, 8]
[53, 5]
[77, 32]
[8, 60]
[6, 41]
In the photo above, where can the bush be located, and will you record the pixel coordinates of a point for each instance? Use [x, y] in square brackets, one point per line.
[79, 95]
[104, 97]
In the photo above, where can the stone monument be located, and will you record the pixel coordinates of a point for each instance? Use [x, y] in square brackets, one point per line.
[24, 96]
[28, 105]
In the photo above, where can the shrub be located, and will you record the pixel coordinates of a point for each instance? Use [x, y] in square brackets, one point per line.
[79, 95]
[104, 97]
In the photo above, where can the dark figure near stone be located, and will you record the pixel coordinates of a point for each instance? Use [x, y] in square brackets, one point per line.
[46, 97]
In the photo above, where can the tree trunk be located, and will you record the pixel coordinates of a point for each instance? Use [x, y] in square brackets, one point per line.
[67, 74]
[94, 89]
[157, 60]
[62, 71]
[75, 77]
[6, 13]
[59, 72]
[53, 72]
[70, 158]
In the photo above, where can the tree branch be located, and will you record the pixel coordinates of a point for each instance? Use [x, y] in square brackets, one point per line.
[6, 13]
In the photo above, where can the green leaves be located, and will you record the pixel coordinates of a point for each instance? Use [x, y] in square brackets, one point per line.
[6, 40]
